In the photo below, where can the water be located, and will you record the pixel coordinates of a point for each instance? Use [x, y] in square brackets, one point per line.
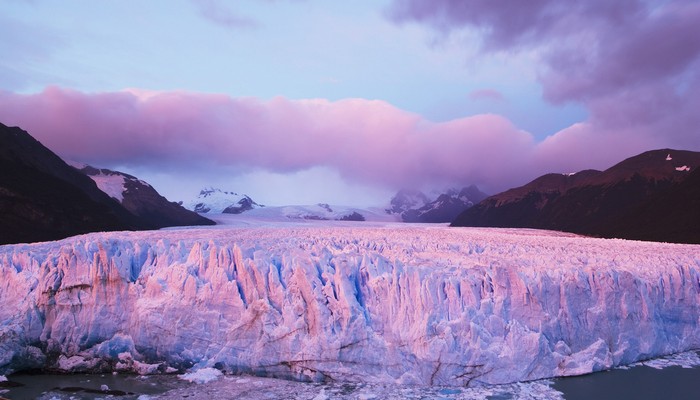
[639, 383]
[82, 386]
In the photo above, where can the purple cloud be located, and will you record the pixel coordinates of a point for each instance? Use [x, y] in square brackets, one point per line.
[634, 64]
[506, 24]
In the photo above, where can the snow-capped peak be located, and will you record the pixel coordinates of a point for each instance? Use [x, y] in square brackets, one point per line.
[217, 201]
[213, 192]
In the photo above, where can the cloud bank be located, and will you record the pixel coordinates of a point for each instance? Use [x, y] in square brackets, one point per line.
[368, 142]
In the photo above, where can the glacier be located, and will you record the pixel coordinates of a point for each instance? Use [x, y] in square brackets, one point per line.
[401, 303]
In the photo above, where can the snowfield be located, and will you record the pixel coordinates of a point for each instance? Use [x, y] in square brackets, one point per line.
[406, 304]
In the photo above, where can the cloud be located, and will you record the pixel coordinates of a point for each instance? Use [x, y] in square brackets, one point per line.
[487, 95]
[367, 141]
[218, 13]
[634, 64]
[505, 24]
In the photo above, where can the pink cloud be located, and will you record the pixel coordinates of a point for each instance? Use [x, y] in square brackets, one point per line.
[369, 142]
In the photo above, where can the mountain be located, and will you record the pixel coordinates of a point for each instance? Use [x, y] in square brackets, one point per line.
[670, 216]
[407, 199]
[43, 198]
[415, 206]
[646, 197]
[141, 199]
[217, 201]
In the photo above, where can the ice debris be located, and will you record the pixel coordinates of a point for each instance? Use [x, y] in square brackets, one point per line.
[202, 375]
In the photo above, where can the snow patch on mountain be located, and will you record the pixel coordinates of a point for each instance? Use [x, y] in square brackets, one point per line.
[412, 305]
[113, 185]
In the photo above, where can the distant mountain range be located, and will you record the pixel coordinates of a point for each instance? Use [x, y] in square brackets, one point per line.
[651, 196]
[416, 206]
[406, 205]
[43, 198]
[213, 200]
[313, 212]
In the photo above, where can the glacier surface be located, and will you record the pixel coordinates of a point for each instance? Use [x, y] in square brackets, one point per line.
[400, 304]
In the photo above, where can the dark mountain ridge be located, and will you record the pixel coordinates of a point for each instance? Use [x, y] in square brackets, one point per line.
[621, 201]
[43, 198]
[142, 200]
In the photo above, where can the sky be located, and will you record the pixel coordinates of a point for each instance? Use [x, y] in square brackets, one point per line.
[307, 101]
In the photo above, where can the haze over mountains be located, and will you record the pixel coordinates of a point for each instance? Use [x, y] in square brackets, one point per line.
[416, 206]
[651, 196]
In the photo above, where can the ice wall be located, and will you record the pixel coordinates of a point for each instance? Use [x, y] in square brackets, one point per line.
[410, 305]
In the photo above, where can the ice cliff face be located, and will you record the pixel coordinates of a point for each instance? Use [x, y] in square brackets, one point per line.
[410, 305]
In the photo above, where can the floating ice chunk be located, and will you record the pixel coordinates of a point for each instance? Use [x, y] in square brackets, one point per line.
[203, 375]
[689, 359]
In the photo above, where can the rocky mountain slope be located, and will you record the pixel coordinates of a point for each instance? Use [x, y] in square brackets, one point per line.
[648, 196]
[43, 198]
[142, 200]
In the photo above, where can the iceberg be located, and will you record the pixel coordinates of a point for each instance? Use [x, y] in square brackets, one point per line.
[408, 304]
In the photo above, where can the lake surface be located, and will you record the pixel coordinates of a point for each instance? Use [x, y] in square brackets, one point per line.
[50, 386]
[639, 383]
